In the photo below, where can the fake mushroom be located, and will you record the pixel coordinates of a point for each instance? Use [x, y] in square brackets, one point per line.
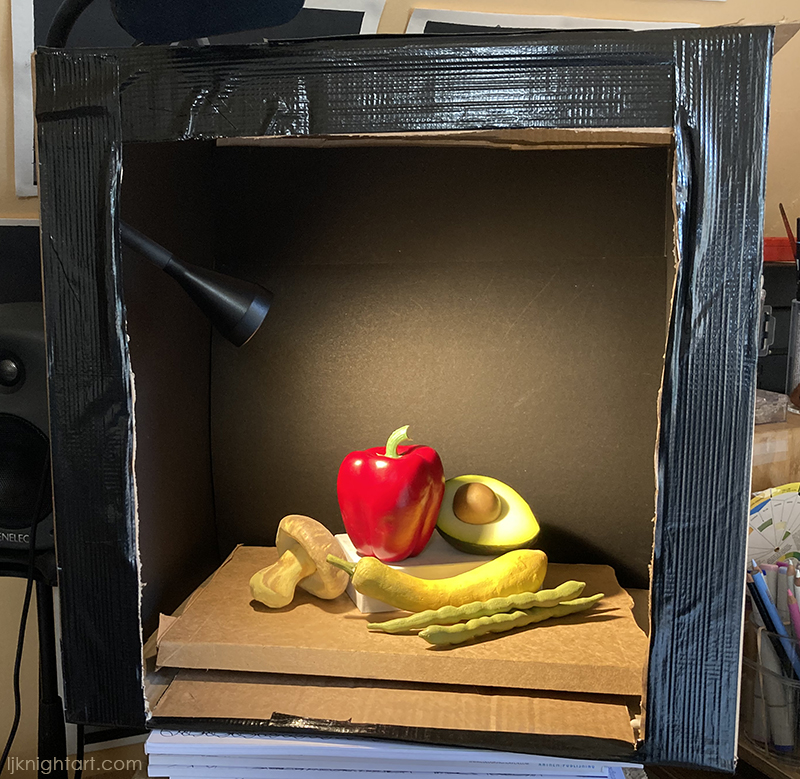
[303, 544]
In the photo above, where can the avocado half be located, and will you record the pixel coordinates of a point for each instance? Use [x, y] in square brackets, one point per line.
[515, 528]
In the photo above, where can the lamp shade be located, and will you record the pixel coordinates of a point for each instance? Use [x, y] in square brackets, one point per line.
[234, 306]
[165, 21]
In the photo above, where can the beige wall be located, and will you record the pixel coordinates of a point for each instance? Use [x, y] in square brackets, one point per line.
[12, 592]
[783, 174]
[10, 206]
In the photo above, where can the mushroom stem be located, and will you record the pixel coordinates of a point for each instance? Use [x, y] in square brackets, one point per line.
[274, 586]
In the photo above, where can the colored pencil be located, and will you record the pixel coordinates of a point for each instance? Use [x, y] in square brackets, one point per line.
[772, 621]
[780, 601]
[794, 613]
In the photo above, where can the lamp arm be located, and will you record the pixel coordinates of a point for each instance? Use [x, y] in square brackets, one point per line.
[147, 247]
[63, 22]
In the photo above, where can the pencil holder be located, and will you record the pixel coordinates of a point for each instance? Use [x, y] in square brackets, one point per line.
[770, 699]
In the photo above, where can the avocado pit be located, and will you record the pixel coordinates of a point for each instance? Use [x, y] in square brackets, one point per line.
[476, 503]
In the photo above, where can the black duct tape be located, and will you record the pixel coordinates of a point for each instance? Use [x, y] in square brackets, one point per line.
[709, 85]
[573, 747]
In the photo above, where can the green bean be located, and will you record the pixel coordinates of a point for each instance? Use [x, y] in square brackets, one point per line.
[498, 623]
[447, 615]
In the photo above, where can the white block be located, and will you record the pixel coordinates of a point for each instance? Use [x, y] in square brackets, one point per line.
[438, 560]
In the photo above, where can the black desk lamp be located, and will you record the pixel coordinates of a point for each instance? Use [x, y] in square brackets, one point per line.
[235, 307]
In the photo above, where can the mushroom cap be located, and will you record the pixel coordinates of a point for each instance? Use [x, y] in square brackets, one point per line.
[297, 532]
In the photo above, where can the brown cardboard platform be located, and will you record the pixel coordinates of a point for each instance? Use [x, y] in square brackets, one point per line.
[602, 651]
[247, 696]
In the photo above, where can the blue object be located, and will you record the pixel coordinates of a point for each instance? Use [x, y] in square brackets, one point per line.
[773, 617]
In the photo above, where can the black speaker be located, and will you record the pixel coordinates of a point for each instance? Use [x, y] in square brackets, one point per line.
[24, 441]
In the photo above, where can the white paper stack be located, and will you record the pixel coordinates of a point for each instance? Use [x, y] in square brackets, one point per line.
[222, 756]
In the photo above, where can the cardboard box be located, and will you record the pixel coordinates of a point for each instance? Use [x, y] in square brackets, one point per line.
[512, 304]
[776, 453]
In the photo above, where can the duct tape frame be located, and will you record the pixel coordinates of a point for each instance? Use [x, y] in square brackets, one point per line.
[711, 86]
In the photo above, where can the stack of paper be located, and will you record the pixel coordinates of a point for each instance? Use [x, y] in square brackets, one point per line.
[222, 756]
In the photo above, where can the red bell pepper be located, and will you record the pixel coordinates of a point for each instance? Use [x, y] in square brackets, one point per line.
[390, 497]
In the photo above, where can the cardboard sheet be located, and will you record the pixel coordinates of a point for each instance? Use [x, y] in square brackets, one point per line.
[214, 694]
[601, 651]
[776, 453]
[518, 138]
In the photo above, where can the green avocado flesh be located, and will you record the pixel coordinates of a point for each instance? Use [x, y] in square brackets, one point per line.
[515, 528]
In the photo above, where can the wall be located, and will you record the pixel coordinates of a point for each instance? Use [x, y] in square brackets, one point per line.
[11, 207]
[12, 592]
[783, 174]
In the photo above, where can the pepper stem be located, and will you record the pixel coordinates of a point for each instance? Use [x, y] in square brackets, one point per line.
[395, 439]
[349, 568]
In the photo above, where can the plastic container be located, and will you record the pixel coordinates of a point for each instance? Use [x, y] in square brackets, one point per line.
[770, 406]
[770, 704]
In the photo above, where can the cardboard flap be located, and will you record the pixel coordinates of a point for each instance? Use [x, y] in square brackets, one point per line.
[518, 138]
[784, 32]
[306, 702]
